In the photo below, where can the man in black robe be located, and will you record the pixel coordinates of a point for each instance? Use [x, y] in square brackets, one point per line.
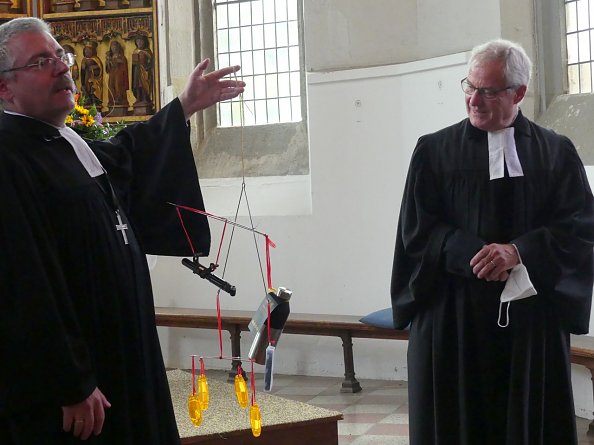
[79, 352]
[493, 268]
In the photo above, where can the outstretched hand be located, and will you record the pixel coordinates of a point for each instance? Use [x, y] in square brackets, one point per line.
[203, 90]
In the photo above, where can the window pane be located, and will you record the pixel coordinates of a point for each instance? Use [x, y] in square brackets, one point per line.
[270, 55]
[248, 94]
[294, 58]
[234, 59]
[263, 37]
[246, 38]
[223, 60]
[257, 13]
[573, 78]
[284, 89]
[247, 66]
[234, 42]
[261, 117]
[273, 116]
[249, 117]
[223, 42]
[281, 10]
[269, 36]
[260, 87]
[225, 116]
[295, 83]
[259, 62]
[233, 15]
[222, 17]
[258, 37]
[245, 14]
[585, 78]
[572, 48]
[282, 57]
[284, 109]
[582, 14]
[282, 38]
[268, 6]
[236, 113]
[293, 33]
[584, 45]
[271, 85]
[292, 10]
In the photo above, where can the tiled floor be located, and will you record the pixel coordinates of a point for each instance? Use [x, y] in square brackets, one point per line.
[377, 415]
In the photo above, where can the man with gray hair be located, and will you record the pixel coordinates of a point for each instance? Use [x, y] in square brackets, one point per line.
[78, 343]
[493, 268]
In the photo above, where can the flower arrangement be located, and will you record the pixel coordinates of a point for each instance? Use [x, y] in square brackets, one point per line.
[89, 123]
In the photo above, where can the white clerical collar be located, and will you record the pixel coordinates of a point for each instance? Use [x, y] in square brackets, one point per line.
[502, 148]
[83, 152]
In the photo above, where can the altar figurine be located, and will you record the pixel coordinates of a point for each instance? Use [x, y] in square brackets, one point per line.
[142, 76]
[91, 76]
[116, 65]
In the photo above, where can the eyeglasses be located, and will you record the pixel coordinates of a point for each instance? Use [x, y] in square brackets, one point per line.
[485, 93]
[44, 63]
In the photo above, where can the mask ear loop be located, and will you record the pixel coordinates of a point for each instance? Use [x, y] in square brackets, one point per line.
[506, 315]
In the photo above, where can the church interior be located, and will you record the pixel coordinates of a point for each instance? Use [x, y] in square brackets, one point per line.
[323, 178]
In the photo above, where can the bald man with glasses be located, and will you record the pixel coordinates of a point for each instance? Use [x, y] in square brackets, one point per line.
[493, 268]
[79, 352]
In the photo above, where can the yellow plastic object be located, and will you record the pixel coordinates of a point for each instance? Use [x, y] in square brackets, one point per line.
[203, 392]
[255, 420]
[194, 409]
[241, 391]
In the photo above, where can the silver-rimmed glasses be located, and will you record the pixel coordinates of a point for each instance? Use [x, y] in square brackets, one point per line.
[44, 63]
[485, 93]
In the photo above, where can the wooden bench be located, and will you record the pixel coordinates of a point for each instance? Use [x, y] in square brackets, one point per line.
[346, 327]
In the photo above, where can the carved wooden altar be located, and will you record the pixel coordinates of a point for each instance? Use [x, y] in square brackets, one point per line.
[116, 48]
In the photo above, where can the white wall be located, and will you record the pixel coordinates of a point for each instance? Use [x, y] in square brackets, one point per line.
[337, 258]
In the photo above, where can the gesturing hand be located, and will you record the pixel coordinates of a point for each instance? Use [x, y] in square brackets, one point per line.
[203, 90]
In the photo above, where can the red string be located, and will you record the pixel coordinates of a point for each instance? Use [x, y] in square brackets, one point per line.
[269, 244]
[193, 378]
[219, 325]
[202, 371]
[181, 220]
[239, 370]
[253, 384]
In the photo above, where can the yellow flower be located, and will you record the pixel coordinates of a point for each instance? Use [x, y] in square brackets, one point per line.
[87, 120]
[81, 110]
[69, 119]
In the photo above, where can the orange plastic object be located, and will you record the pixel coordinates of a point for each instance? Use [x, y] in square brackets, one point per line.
[255, 420]
[241, 391]
[194, 409]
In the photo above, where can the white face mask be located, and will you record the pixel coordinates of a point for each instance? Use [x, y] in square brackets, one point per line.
[517, 287]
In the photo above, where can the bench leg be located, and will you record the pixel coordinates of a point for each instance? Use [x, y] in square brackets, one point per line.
[235, 333]
[591, 426]
[350, 383]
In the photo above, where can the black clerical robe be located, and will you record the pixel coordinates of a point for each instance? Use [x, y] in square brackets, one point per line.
[471, 381]
[76, 307]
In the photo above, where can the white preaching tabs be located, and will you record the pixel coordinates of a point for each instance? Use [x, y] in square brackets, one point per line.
[502, 148]
[83, 151]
